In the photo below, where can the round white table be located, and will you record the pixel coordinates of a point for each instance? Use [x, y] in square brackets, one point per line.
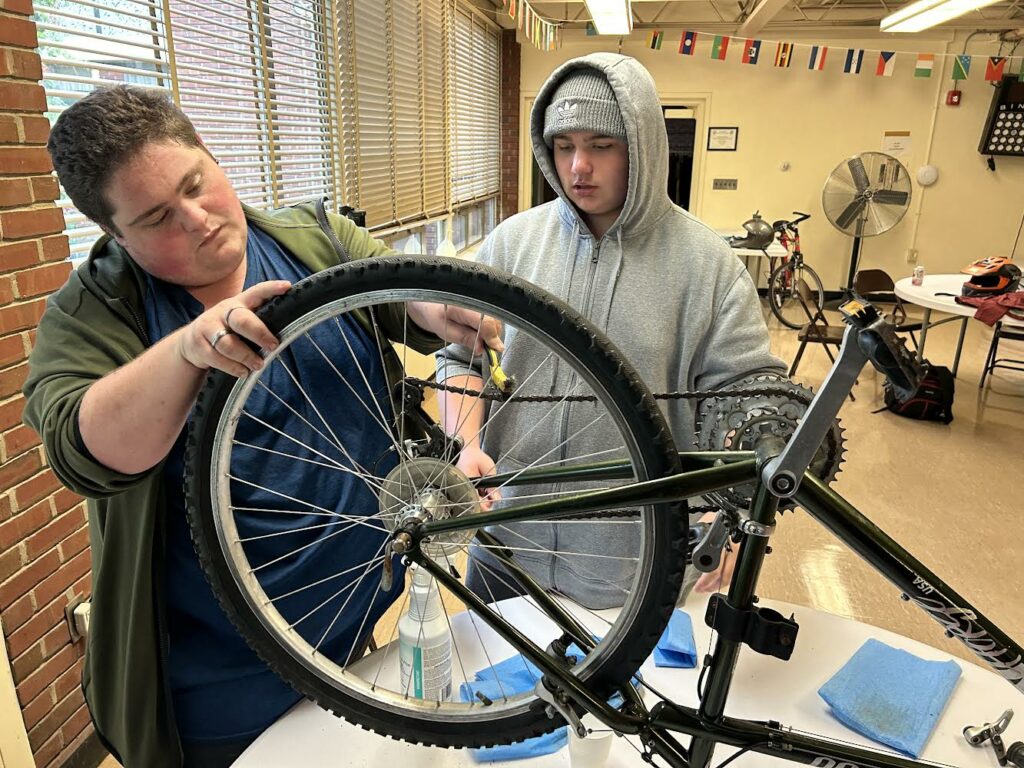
[763, 688]
[938, 292]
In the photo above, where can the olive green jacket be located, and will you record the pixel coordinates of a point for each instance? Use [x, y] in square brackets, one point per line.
[94, 324]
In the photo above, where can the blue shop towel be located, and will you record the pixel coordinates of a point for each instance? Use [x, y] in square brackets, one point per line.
[890, 695]
[515, 674]
[676, 647]
[521, 750]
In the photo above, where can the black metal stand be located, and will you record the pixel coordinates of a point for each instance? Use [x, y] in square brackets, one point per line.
[854, 258]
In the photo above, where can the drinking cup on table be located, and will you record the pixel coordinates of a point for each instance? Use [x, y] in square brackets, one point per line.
[592, 750]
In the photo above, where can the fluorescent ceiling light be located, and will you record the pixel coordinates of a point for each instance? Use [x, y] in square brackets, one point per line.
[613, 17]
[927, 13]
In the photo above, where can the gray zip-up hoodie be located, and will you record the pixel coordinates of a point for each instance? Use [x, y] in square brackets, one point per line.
[662, 285]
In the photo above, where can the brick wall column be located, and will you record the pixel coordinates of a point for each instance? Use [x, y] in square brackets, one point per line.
[510, 69]
[44, 556]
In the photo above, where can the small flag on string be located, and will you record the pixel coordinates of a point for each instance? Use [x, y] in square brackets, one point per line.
[591, 29]
[513, 6]
[655, 40]
[751, 50]
[886, 63]
[961, 67]
[854, 59]
[994, 68]
[925, 64]
[688, 43]
[817, 60]
[719, 47]
[784, 55]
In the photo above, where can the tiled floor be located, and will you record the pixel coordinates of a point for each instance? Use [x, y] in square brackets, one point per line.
[949, 494]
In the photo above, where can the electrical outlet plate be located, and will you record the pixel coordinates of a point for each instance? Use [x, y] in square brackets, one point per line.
[729, 184]
[77, 614]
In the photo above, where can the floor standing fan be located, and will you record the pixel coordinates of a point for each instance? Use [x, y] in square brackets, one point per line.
[864, 196]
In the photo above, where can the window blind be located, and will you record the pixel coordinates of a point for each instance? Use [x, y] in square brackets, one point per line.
[475, 109]
[387, 105]
[367, 106]
[86, 44]
[255, 77]
[219, 48]
[435, 74]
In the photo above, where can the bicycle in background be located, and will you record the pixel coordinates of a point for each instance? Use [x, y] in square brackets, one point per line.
[783, 283]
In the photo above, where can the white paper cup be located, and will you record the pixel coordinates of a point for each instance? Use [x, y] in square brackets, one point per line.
[591, 751]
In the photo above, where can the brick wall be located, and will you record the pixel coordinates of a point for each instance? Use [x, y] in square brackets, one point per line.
[44, 556]
[510, 66]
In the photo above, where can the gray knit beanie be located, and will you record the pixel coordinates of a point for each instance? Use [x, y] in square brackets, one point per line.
[583, 101]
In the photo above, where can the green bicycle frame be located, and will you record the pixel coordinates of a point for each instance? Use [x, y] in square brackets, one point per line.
[704, 472]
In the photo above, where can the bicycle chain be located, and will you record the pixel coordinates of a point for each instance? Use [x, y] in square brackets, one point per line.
[691, 395]
[829, 462]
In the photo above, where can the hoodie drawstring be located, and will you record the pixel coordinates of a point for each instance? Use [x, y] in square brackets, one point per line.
[614, 282]
[563, 294]
[569, 273]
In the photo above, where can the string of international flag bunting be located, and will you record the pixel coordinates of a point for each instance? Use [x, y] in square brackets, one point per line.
[547, 36]
[853, 58]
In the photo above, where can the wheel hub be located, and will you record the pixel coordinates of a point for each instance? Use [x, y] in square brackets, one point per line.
[424, 489]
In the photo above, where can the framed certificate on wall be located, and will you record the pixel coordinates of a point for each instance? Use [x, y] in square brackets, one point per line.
[722, 139]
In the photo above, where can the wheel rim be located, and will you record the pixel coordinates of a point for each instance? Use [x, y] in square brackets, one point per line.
[362, 680]
[784, 301]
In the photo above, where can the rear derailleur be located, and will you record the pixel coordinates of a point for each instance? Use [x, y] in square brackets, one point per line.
[435, 443]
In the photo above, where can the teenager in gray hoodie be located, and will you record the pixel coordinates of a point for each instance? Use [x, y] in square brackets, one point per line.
[661, 284]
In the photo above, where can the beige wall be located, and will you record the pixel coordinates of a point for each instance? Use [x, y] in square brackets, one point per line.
[813, 120]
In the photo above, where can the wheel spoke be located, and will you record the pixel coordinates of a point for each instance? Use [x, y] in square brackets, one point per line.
[547, 453]
[572, 565]
[348, 599]
[335, 441]
[563, 555]
[299, 590]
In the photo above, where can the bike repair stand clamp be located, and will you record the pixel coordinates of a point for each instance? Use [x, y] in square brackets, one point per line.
[978, 735]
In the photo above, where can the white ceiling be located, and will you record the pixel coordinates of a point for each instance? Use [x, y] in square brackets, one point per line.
[749, 17]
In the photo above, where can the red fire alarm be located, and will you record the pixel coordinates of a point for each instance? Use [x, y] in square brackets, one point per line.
[953, 98]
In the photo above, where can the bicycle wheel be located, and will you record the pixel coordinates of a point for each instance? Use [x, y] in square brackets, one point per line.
[291, 425]
[784, 299]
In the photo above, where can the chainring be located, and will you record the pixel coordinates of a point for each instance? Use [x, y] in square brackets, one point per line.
[736, 423]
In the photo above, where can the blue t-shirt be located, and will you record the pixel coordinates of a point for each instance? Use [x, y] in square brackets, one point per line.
[309, 561]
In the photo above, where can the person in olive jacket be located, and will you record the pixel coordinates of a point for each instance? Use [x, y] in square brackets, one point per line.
[167, 294]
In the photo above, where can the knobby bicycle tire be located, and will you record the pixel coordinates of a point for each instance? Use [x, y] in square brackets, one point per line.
[366, 282]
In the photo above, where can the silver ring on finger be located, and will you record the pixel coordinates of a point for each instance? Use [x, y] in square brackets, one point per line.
[227, 316]
[218, 336]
